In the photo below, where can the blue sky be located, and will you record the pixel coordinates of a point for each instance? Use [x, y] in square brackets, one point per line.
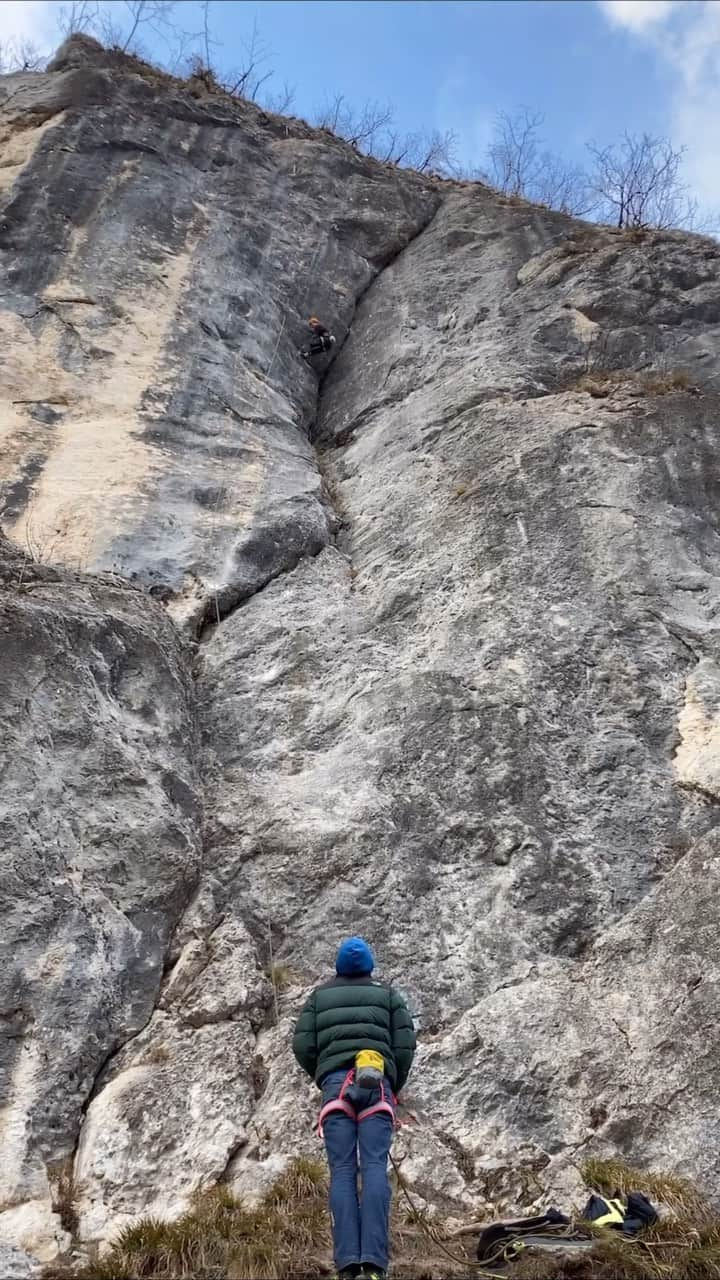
[592, 67]
[454, 64]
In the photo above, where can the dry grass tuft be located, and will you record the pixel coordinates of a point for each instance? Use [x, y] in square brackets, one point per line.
[613, 1177]
[62, 1181]
[282, 976]
[603, 383]
[286, 1235]
[219, 1237]
[156, 1056]
[636, 235]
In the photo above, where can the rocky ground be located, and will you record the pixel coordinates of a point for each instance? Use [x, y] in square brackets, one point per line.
[423, 645]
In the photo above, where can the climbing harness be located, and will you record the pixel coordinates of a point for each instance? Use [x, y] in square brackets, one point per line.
[343, 1104]
[320, 342]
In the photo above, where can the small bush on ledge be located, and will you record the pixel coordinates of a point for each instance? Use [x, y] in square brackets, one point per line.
[603, 383]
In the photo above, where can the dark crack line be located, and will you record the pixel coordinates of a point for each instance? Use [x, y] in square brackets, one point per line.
[696, 788]
[607, 506]
[390, 262]
[223, 604]
[651, 613]
[623, 1033]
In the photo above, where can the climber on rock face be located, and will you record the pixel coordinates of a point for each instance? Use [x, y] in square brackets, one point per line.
[355, 1037]
[322, 340]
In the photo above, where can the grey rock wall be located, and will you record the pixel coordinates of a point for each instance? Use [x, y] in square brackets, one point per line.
[454, 680]
[101, 825]
[161, 254]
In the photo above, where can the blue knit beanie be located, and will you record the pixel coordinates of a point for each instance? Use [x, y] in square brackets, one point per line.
[354, 958]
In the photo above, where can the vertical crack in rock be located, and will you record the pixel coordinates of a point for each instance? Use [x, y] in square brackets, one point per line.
[222, 606]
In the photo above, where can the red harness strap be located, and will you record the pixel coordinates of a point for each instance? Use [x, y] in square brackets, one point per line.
[341, 1104]
[338, 1104]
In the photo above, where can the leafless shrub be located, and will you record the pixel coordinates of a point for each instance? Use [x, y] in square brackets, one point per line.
[79, 17]
[563, 186]
[519, 165]
[513, 152]
[597, 353]
[280, 101]
[427, 152]
[371, 129]
[119, 25]
[20, 55]
[365, 129]
[637, 183]
[246, 80]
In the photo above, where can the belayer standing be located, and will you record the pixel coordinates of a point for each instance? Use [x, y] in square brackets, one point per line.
[322, 339]
[355, 1037]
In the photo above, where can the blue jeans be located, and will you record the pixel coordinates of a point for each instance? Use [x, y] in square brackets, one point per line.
[361, 1226]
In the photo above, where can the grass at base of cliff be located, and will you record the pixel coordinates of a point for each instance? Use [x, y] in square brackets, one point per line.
[288, 1235]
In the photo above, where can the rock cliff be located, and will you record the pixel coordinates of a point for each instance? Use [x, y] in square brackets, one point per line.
[423, 645]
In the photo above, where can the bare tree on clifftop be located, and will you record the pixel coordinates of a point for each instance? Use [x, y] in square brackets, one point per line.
[120, 25]
[519, 165]
[20, 55]
[371, 130]
[637, 183]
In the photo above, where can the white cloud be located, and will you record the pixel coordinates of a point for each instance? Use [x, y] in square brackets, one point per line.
[685, 36]
[695, 57]
[33, 20]
[637, 15]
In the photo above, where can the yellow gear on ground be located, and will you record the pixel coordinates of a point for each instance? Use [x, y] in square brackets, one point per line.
[616, 1213]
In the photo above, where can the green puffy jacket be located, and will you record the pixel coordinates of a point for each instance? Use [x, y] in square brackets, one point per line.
[346, 1015]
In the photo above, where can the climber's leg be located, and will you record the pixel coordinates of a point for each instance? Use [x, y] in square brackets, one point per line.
[375, 1135]
[340, 1133]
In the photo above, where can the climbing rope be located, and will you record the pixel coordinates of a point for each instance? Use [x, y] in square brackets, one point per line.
[277, 345]
[504, 1251]
[420, 1217]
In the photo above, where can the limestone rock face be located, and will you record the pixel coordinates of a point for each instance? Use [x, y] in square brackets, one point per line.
[161, 256]
[100, 820]
[423, 645]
